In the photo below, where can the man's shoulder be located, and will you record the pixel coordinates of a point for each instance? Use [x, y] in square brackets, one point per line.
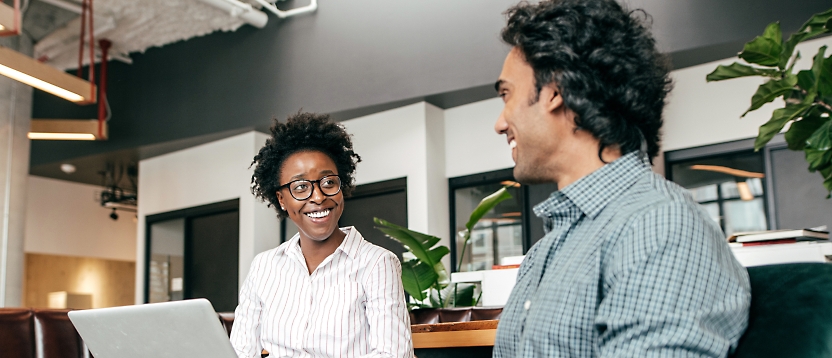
[653, 192]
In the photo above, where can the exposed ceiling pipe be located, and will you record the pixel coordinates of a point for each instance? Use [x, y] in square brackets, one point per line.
[313, 5]
[242, 10]
[66, 37]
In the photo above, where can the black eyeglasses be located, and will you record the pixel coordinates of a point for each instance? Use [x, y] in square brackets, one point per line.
[302, 189]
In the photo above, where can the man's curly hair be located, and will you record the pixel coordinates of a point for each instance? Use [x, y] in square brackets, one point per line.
[302, 132]
[604, 63]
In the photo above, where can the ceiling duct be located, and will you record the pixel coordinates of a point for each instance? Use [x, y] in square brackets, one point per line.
[241, 10]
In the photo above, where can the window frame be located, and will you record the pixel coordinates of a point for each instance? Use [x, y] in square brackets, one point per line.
[485, 178]
[734, 147]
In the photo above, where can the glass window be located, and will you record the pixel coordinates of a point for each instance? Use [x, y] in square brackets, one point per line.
[166, 267]
[498, 234]
[729, 187]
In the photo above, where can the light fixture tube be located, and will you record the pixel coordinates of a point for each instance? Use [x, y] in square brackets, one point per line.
[67, 129]
[9, 19]
[44, 77]
[744, 191]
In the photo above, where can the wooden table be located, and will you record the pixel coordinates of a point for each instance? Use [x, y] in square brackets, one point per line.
[454, 334]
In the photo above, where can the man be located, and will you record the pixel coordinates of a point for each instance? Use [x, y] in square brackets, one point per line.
[630, 266]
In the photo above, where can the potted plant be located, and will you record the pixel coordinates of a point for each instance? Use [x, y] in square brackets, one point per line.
[424, 277]
[807, 94]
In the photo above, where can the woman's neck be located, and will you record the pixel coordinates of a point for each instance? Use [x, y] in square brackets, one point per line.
[315, 252]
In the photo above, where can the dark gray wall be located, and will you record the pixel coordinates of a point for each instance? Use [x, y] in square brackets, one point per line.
[799, 196]
[355, 57]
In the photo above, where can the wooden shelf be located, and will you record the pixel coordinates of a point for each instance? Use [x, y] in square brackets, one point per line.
[454, 334]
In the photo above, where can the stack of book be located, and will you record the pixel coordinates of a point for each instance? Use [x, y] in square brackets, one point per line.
[772, 237]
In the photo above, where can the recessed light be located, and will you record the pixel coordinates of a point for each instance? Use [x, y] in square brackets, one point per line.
[67, 168]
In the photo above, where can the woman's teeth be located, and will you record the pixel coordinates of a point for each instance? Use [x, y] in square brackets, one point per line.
[512, 144]
[318, 214]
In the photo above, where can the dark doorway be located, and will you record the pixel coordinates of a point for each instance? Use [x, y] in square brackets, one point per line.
[212, 259]
[386, 200]
[194, 253]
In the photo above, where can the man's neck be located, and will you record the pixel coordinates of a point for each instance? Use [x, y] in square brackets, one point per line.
[586, 162]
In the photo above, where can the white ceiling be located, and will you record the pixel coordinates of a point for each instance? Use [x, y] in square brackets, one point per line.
[131, 26]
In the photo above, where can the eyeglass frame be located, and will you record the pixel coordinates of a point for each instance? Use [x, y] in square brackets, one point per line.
[312, 183]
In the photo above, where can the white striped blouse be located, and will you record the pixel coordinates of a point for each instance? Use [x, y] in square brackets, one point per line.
[352, 305]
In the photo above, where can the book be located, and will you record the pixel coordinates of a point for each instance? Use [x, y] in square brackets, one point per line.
[797, 235]
[769, 242]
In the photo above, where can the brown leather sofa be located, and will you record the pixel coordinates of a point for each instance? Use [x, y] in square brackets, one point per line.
[48, 333]
[36, 333]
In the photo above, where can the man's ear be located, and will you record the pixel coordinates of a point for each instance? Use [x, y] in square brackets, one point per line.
[551, 98]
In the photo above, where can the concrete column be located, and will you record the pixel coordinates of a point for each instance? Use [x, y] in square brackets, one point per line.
[15, 115]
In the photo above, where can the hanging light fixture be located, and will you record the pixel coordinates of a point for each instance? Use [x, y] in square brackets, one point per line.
[10, 19]
[25, 69]
[68, 129]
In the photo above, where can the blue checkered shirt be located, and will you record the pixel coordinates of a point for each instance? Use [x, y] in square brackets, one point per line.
[630, 266]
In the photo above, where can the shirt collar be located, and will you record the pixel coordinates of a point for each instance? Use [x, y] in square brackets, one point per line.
[593, 192]
[349, 246]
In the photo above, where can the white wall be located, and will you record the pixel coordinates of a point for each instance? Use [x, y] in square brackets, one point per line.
[700, 113]
[64, 218]
[472, 146]
[407, 142]
[209, 173]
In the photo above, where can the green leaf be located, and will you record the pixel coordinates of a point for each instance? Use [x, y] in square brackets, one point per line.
[459, 295]
[824, 76]
[817, 68]
[765, 50]
[788, 49]
[778, 120]
[736, 70]
[827, 180]
[806, 79]
[818, 24]
[485, 205]
[417, 278]
[826, 173]
[801, 130]
[770, 90]
[821, 140]
[419, 244]
[819, 160]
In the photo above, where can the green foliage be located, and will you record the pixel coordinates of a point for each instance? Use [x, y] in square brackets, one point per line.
[736, 70]
[778, 120]
[807, 93]
[770, 90]
[765, 50]
[424, 277]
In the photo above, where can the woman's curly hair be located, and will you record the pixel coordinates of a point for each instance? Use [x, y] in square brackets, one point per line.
[302, 132]
[604, 63]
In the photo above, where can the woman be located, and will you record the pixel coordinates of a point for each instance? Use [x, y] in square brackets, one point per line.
[326, 292]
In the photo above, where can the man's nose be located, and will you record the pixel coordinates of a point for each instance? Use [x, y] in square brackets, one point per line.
[501, 126]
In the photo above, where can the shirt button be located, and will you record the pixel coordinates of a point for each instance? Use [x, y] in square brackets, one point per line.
[527, 305]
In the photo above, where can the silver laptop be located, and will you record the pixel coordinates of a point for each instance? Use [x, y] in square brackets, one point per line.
[177, 329]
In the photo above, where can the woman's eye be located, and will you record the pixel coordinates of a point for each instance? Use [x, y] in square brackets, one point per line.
[300, 187]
